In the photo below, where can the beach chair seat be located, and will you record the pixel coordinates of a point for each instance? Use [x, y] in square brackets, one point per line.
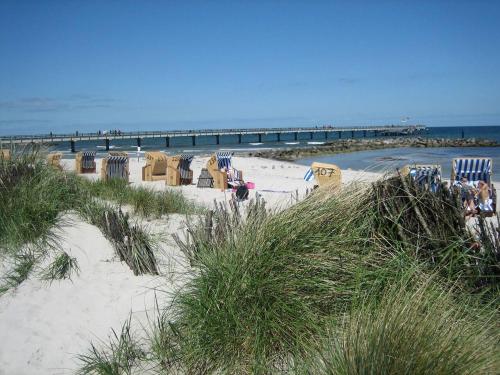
[205, 180]
[54, 160]
[223, 174]
[85, 162]
[178, 170]
[325, 174]
[156, 166]
[475, 170]
[427, 176]
[115, 167]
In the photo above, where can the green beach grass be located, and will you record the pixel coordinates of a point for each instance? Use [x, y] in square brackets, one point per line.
[340, 283]
[34, 198]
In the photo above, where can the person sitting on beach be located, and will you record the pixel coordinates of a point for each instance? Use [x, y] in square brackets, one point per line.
[485, 202]
[467, 193]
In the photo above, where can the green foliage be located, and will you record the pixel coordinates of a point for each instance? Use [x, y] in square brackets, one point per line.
[145, 202]
[132, 243]
[32, 195]
[412, 330]
[117, 358]
[23, 263]
[62, 267]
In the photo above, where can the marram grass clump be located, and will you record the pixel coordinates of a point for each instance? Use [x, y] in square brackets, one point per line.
[415, 328]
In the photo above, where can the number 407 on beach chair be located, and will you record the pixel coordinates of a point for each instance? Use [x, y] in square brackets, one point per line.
[324, 174]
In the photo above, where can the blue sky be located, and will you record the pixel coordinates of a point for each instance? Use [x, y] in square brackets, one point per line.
[88, 65]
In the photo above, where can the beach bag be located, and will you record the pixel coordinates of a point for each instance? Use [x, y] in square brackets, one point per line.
[242, 193]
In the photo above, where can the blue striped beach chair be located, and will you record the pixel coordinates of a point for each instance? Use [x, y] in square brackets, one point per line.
[85, 162]
[324, 174]
[426, 176]
[475, 170]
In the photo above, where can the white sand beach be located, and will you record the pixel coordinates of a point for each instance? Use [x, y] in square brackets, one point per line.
[43, 327]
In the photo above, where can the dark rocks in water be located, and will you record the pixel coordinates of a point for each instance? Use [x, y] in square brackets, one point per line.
[351, 145]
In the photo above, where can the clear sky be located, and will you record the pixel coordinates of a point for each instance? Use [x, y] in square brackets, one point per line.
[88, 65]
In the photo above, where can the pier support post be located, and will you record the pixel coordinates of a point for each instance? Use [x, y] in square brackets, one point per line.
[340, 135]
[326, 135]
[167, 142]
[138, 142]
[296, 136]
[311, 134]
[217, 139]
[106, 143]
[279, 137]
[239, 138]
[364, 133]
[72, 145]
[463, 133]
[352, 134]
[260, 138]
[193, 140]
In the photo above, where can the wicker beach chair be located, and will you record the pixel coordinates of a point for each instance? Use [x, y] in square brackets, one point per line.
[324, 174]
[220, 173]
[85, 162]
[4, 154]
[115, 165]
[427, 176]
[54, 159]
[178, 172]
[156, 166]
[475, 170]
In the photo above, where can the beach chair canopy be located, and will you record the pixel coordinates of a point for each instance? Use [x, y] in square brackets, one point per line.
[4, 154]
[224, 159]
[88, 159]
[117, 167]
[474, 169]
[54, 159]
[184, 165]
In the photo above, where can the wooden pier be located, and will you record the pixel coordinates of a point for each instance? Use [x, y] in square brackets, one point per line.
[330, 132]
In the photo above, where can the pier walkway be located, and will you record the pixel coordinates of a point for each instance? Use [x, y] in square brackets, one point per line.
[329, 132]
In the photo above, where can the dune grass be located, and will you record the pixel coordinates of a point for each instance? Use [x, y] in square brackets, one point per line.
[117, 358]
[144, 201]
[333, 285]
[62, 267]
[414, 329]
[133, 244]
[34, 197]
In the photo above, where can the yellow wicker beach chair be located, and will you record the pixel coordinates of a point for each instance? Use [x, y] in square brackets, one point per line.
[178, 171]
[324, 174]
[219, 172]
[54, 159]
[4, 154]
[115, 165]
[156, 166]
[85, 162]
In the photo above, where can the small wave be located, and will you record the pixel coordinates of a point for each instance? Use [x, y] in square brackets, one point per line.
[292, 143]
[111, 147]
[315, 143]
[255, 144]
